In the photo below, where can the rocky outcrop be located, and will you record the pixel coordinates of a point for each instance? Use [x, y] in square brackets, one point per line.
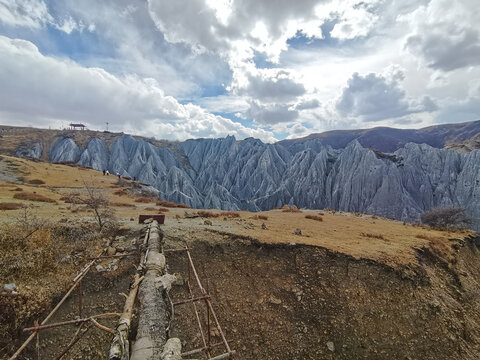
[95, 155]
[30, 151]
[248, 174]
[65, 151]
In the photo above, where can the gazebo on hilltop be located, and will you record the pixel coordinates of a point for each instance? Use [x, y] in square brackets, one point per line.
[74, 126]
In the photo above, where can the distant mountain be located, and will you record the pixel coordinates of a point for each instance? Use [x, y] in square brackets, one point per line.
[330, 170]
[389, 139]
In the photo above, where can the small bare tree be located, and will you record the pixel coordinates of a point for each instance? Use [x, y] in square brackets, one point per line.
[446, 218]
[96, 202]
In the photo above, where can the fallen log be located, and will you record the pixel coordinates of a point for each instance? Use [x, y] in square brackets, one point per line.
[120, 347]
[154, 312]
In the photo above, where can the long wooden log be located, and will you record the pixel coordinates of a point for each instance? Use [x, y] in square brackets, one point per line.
[120, 348]
[153, 318]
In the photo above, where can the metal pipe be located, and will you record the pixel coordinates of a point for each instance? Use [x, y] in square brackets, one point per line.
[69, 322]
[175, 250]
[199, 350]
[228, 355]
[80, 299]
[191, 300]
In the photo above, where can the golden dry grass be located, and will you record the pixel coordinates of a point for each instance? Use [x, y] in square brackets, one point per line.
[342, 232]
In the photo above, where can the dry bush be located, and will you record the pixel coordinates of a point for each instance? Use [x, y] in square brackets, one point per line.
[166, 204]
[36, 182]
[17, 189]
[183, 206]
[259, 217]
[121, 204]
[144, 200]
[33, 197]
[96, 202]
[314, 217]
[207, 214]
[446, 218]
[162, 209]
[150, 209]
[372, 236]
[292, 209]
[11, 206]
[230, 214]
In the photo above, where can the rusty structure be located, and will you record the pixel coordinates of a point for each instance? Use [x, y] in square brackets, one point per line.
[211, 315]
[121, 348]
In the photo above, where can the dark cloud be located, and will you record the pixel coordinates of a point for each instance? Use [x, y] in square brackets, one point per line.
[374, 98]
[447, 46]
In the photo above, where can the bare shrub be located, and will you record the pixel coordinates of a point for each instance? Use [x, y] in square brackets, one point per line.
[446, 218]
[166, 204]
[36, 182]
[10, 206]
[292, 209]
[162, 209]
[314, 217]
[183, 206]
[207, 214]
[97, 203]
[230, 214]
[144, 200]
[33, 197]
[260, 217]
[372, 236]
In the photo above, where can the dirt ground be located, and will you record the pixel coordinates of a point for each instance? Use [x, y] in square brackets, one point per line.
[278, 301]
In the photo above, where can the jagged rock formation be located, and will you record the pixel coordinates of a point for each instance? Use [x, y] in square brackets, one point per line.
[64, 151]
[30, 151]
[248, 174]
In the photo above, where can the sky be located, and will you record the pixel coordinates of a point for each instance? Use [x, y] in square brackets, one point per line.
[269, 69]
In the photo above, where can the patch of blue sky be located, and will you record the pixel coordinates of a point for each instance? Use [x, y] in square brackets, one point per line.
[79, 46]
[261, 62]
[213, 90]
[300, 41]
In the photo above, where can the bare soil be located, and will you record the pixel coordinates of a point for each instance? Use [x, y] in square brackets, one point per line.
[277, 301]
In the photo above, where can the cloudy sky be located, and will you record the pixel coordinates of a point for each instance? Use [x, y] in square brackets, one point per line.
[271, 69]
